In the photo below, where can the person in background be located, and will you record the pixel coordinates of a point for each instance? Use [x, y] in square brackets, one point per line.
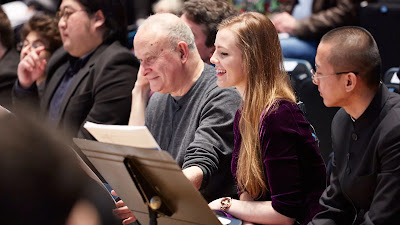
[8, 60]
[90, 78]
[365, 180]
[305, 21]
[168, 6]
[203, 17]
[40, 31]
[276, 162]
[251, 5]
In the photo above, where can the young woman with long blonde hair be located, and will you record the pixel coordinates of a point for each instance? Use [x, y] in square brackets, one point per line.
[276, 162]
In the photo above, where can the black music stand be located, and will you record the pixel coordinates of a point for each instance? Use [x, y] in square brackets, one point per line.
[150, 183]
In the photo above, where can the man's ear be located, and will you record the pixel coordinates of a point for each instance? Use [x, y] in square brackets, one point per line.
[99, 19]
[351, 81]
[183, 49]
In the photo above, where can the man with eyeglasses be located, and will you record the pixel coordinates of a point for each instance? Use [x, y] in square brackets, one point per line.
[91, 77]
[365, 178]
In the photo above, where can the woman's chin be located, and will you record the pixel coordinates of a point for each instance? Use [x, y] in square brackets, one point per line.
[223, 84]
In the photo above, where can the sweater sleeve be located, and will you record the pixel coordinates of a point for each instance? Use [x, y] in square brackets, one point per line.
[213, 142]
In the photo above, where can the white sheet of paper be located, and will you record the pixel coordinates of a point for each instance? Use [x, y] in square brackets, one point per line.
[135, 136]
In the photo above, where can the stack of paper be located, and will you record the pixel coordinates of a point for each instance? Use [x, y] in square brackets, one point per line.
[135, 136]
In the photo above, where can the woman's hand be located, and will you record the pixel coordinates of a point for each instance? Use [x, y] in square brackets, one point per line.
[216, 204]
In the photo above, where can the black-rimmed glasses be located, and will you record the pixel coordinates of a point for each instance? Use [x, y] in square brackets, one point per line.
[66, 13]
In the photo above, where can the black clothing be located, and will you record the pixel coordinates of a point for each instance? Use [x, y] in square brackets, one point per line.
[365, 181]
[100, 91]
[8, 75]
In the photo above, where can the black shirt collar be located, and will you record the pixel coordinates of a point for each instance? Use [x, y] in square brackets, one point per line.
[77, 63]
[374, 108]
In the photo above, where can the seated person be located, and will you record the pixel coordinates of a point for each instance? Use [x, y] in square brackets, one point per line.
[8, 60]
[305, 21]
[365, 178]
[188, 114]
[276, 162]
[90, 78]
[40, 31]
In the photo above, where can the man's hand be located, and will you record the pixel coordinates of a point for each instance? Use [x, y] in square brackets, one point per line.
[142, 82]
[31, 68]
[123, 212]
[140, 96]
[195, 175]
[284, 23]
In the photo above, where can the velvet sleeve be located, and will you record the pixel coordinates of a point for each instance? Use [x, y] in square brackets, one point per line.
[281, 132]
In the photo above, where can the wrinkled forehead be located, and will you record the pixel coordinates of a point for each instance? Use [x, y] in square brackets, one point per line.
[149, 43]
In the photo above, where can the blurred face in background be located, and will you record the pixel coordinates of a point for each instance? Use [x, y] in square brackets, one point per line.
[33, 41]
[200, 39]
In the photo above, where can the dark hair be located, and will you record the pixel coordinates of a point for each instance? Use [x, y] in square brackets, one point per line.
[354, 48]
[6, 32]
[41, 178]
[45, 26]
[208, 13]
[115, 18]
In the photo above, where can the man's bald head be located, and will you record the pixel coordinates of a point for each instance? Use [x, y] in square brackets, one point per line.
[169, 25]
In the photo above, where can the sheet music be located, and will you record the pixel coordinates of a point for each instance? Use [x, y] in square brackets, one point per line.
[135, 136]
